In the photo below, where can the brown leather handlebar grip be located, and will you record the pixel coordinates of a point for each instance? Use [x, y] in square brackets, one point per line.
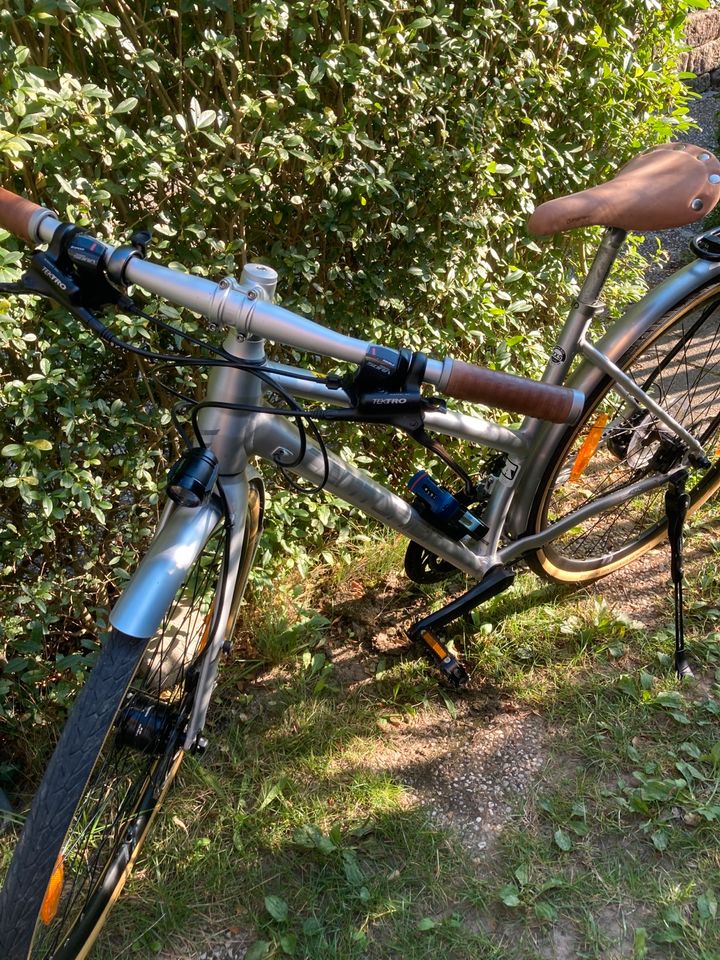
[542, 400]
[15, 213]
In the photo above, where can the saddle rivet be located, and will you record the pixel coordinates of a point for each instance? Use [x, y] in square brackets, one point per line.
[703, 156]
[714, 178]
[697, 204]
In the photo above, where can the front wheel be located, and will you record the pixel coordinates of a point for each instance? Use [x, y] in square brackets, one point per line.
[114, 763]
[676, 362]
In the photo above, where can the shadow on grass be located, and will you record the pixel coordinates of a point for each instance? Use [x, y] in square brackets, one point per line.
[291, 834]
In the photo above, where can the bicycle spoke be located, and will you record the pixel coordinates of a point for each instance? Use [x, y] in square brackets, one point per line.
[681, 371]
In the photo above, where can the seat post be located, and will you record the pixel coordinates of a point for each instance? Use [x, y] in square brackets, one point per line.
[612, 240]
[585, 306]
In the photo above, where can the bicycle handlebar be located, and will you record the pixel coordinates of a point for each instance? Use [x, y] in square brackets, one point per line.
[233, 305]
[16, 214]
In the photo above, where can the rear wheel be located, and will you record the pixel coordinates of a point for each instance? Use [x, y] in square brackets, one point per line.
[115, 761]
[677, 362]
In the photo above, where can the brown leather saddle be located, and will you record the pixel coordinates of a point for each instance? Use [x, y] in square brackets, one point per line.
[671, 185]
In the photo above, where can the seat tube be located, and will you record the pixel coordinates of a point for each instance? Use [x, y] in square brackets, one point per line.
[584, 307]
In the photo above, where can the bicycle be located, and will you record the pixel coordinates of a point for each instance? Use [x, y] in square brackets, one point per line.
[576, 490]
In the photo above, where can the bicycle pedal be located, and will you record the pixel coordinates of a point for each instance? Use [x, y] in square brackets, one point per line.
[449, 665]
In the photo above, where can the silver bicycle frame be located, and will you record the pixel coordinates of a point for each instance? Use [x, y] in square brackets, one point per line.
[238, 437]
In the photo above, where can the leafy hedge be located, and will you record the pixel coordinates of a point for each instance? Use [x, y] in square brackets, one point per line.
[382, 157]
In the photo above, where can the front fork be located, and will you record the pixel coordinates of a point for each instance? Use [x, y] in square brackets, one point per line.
[221, 429]
[236, 496]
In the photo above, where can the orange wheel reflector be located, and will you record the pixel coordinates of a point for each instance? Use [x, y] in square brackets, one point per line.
[206, 630]
[590, 445]
[52, 895]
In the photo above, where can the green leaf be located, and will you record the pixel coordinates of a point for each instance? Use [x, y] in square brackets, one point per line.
[707, 906]
[125, 106]
[545, 911]
[312, 927]
[660, 840]
[449, 705]
[40, 444]
[206, 119]
[680, 717]
[288, 942]
[273, 793]
[669, 935]
[640, 944]
[277, 908]
[657, 789]
[12, 450]
[103, 16]
[563, 840]
[353, 873]
[510, 895]
[427, 923]
[670, 699]
[258, 950]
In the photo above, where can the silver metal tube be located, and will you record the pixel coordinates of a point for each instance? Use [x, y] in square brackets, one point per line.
[475, 430]
[194, 293]
[272, 322]
[554, 530]
[39, 227]
[306, 388]
[272, 439]
[629, 385]
[241, 308]
[584, 307]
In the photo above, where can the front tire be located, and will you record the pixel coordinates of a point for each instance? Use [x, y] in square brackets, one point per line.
[677, 362]
[116, 759]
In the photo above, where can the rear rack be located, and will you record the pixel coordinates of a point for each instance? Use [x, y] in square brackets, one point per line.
[707, 245]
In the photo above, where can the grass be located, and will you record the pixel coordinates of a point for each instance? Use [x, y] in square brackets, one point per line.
[291, 839]
[286, 840]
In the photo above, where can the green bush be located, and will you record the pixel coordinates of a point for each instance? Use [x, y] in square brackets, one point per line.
[383, 158]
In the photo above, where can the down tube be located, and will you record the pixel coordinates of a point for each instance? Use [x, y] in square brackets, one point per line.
[274, 439]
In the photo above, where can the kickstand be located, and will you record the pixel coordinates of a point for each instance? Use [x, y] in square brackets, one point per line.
[676, 506]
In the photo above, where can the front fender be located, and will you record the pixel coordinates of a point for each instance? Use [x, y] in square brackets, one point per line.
[149, 593]
[694, 278]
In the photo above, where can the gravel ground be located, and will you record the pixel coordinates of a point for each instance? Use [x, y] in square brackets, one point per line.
[471, 774]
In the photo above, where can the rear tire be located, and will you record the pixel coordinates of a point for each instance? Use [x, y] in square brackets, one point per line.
[677, 362]
[116, 759]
